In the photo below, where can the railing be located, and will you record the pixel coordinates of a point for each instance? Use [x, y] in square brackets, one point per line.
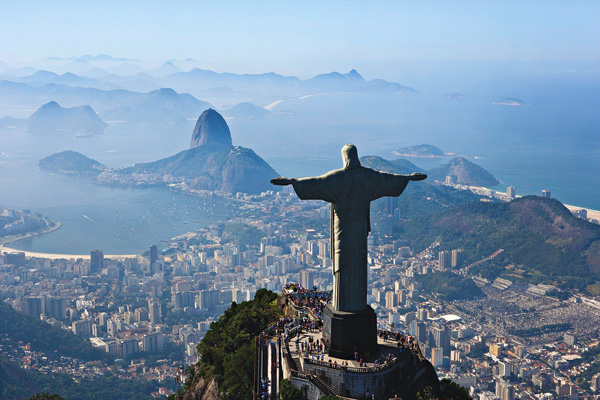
[359, 370]
[319, 384]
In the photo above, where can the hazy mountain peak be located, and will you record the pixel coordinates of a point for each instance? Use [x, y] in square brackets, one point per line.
[51, 105]
[52, 117]
[211, 128]
[354, 75]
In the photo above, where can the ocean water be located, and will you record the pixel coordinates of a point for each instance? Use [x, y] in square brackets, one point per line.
[552, 142]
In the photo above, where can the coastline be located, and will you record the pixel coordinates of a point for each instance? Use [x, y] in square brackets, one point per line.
[592, 214]
[16, 238]
[51, 256]
[63, 256]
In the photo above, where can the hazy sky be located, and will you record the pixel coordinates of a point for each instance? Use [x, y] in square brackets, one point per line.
[303, 36]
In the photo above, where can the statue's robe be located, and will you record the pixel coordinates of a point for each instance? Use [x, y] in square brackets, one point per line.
[350, 192]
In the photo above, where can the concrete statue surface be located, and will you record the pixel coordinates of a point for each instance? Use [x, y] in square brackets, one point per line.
[350, 190]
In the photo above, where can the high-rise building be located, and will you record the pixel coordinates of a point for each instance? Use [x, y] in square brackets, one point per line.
[55, 307]
[422, 314]
[324, 248]
[440, 335]
[153, 254]
[141, 314]
[103, 318]
[208, 299]
[182, 300]
[595, 383]
[458, 256]
[495, 350]
[307, 279]
[505, 390]
[129, 347]
[35, 306]
[154, 311]
[504, 369]
[16, 258]
[82, 328]
[546, 193]
[511, 193]
[419, 330]
[391, 203]
[111, 328]
[96, 260]
[444, 260]
[153, 342]
[437, 357]
[391, 300]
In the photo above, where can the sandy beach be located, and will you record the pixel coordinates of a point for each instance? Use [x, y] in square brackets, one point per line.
[591, 214]
[64, 256]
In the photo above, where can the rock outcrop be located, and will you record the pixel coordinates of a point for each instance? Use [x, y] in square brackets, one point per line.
[212, 163]
[211, 128]
[202, 389]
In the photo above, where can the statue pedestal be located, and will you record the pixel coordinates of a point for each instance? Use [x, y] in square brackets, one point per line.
[346, 332]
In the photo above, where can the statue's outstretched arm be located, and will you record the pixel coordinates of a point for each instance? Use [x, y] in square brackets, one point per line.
[417, 176]
[282, 181]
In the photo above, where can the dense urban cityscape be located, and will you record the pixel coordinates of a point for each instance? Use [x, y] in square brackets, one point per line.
[151, 311]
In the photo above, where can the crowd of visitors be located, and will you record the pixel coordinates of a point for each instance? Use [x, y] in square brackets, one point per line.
[312, 299]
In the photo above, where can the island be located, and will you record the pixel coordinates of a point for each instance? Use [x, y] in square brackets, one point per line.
[72, 163]
[212, 163]
[420, 151]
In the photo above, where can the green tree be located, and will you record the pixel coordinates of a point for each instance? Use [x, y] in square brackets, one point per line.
[287, 391]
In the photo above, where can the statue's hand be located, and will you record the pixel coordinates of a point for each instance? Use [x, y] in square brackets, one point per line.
[417, 176]
[281, 181]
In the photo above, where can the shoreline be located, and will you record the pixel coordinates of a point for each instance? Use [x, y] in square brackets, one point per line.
[591, 213]
[9, 239]
[63, 256]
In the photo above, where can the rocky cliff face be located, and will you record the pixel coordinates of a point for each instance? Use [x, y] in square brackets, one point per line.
[211, 128]
[203, 389]
[213, 163]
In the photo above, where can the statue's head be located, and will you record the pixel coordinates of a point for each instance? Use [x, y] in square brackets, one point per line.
[350, 157]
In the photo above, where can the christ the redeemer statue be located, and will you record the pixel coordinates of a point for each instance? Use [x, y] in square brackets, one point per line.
[350, 190]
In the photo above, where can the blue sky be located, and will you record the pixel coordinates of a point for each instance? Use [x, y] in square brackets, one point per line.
[304, 36]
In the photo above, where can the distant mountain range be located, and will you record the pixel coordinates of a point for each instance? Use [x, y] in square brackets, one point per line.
[212, 163]
[159, 106]
[82, 121]
[163, 106]
[115, 85]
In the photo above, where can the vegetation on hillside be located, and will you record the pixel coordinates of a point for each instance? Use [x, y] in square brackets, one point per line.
[538, 235]
[227, 350]
[45, 337]
[17, 384]
[450, 286]
[242, 234]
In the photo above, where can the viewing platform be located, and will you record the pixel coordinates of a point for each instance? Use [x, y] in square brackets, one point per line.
[293, 349]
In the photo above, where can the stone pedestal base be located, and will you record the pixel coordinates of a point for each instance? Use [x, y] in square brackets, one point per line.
[347, 332]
